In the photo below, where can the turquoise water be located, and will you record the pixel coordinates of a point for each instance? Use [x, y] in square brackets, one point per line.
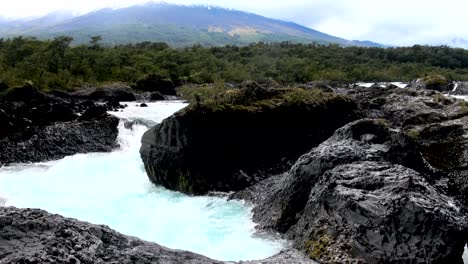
[113, 189]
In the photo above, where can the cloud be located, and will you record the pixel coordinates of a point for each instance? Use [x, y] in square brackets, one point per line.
[396, 22]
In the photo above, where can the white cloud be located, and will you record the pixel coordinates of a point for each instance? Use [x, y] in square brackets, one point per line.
[398, 22]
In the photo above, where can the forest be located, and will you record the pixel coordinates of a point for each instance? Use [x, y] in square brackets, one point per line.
[58, 64]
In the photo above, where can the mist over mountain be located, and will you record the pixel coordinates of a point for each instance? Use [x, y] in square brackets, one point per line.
[175, 24]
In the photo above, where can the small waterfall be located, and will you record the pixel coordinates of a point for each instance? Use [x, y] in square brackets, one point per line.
[455, 87]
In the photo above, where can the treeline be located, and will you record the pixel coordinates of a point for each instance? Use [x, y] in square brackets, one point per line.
[57, 64]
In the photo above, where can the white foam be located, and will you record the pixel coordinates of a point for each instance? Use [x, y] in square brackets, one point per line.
[367, 85]
[400, 84]
[465, 255]
[113, 189]
[455, 87]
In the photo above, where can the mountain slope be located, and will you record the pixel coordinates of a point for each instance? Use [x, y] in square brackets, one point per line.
[177, 25]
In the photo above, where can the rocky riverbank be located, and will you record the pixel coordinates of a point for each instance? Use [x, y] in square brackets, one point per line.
[35, 236]
[388, 187]
[40, 127]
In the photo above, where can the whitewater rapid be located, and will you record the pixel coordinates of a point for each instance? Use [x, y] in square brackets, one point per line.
[113, 189]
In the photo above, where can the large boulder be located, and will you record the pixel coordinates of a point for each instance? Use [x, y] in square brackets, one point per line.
[364, 195]
[437, 123]
[408, 107]
[117, 93]
[39, 127]
[3, 86]
[432, 82]
[23, 93]
[61, 139]
[227, 147]
[156, 83]
[35, 236]
[6, 123]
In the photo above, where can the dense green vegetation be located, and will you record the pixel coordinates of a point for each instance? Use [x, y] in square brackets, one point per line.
[57, 64]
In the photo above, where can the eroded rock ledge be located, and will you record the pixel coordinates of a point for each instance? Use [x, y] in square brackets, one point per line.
[358, 197]
[35, 236]
[39, 127]
[230, 146]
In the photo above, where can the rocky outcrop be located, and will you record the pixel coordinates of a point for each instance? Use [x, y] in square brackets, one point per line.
[364, 195]
[40, 127]
[35, 236]
[230, 147]
[432, 82]
[459, 88]
[407, 107]
[60, 140]
[155, 83]
[437, 123]
[117, 93]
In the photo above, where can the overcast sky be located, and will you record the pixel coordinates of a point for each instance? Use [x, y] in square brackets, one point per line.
[397, 22]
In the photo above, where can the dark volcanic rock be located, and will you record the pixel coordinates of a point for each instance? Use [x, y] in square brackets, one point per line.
[6, 123]
[25, 93]
[3, 86]
[156, 96]
[39, 127]
[156, 83]
[117, 93]
[35, 236]
[93, 112]
[359, 197]
[380, 213]
[407, 107]
[61, 139]
[201, 149]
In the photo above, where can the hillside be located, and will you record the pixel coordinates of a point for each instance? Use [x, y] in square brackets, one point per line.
[175, 24]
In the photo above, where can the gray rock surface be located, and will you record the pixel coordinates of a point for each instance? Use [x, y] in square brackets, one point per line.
[35, 236]
[62, 139]
[230, 147]
[38, 127]
[364, 195]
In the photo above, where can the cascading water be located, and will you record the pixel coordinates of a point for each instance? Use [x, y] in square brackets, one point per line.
[113, 189]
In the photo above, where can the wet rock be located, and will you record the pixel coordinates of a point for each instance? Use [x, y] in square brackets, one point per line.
[407, 107]
[61, 139]
[24, 93]
[379, 213]
[156, 83]
[94, 112]
[130, 124]
[35, 236]
[156, 96]
[5, 123]
[364, 195]
[112, 93]
[200, 149]
[46, 127]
